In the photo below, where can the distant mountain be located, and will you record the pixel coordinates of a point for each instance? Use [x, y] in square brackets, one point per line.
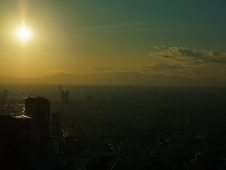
[9, 79]
[116, 78]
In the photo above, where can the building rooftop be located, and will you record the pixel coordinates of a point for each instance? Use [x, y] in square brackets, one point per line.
[6, 117]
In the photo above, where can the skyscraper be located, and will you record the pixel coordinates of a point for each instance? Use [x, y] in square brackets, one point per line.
[15, 134]
[59, 88]
[39, 109]
[57, 124]
[4, 97]
[64, 97]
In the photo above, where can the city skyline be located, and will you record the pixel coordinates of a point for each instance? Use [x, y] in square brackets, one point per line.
[175, 38]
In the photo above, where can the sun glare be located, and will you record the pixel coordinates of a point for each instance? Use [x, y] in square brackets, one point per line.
[24, 34]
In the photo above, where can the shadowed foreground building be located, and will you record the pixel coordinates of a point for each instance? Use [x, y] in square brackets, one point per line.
[56, 124]
[39, 109]
[15, 134]
[56, 142]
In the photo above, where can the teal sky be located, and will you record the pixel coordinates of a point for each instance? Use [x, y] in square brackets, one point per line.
[186, 38]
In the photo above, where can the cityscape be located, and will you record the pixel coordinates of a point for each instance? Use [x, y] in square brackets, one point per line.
[112, 85]
[113, 127]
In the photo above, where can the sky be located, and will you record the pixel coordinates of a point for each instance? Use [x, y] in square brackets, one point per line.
[156, 37]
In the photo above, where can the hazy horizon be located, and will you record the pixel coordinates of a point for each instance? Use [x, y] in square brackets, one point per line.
[114, 79]
[151, 38]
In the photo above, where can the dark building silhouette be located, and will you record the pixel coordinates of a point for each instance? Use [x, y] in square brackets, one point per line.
[15, 134]
[59, 88]
[64, 97]
[71, 146]
[4, 97]
[55, 152]
[39, 109]
[57, 124]
[102, 161]
[72, 149]
[89, 98]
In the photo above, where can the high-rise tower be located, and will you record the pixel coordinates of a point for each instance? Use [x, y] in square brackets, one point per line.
[57, 124]
[39, 109]
[59, 88]
[15, 134]
[4, 97]
[64, 97]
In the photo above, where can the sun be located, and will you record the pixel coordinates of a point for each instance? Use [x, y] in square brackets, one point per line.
[24, 33]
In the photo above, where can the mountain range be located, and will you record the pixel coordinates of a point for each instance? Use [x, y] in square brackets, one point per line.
[116, 78]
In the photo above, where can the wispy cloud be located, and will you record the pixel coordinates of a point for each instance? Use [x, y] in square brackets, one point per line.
[57, 71]
[161, 67]
[115, 26]
[155, 47]
[113, 69]
[195, 57]
[150, 25]
[103, 69]
[123, 69]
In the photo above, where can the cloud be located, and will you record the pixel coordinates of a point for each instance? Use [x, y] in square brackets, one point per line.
[123, 69]
[112, 69]
[161, 67]
[155, 47]
[183, 54]
[117, 26]
[57, 71]
[104, 69]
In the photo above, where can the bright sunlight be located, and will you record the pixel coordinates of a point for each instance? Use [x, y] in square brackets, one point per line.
[24, 34]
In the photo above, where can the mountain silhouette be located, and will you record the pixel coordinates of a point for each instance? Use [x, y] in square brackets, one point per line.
[115, 78]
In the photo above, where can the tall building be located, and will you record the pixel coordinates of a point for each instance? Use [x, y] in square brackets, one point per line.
[55, 152]
[15, 135]
[64, 97]
[4, 97]
[39, 109]
[57, 124]
[59, 88]
[72, 150]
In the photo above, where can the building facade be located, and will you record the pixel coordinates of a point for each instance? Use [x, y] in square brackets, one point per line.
[15, 134]
[39, 109]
